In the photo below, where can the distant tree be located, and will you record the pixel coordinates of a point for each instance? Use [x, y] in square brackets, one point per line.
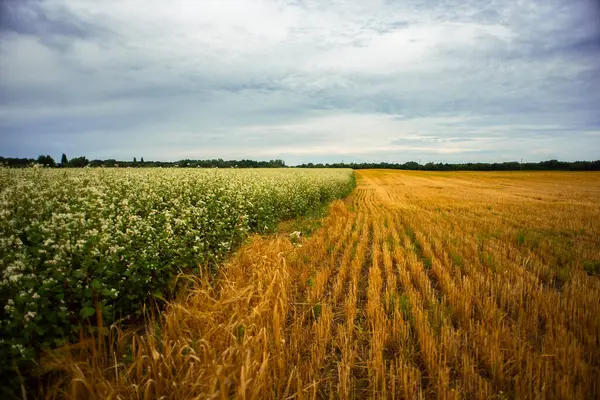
[46, 160]
[411, 165]
[142, 159]
[79, 162]
[16, 162]
[134, 160]
[64, 161]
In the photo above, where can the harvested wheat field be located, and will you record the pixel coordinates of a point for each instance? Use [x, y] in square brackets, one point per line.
[419, 285]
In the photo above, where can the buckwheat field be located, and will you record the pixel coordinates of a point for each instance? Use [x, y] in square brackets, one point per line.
[97, 243]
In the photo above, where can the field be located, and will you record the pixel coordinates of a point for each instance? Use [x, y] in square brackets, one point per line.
[418, 285]
[89, 247]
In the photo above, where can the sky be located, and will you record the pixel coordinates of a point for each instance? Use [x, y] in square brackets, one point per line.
[302, 81]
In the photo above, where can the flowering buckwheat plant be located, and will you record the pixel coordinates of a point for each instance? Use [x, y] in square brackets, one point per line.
[76, 241]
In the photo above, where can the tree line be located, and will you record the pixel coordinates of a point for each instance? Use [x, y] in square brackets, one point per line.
[550, 165]
[81, 162]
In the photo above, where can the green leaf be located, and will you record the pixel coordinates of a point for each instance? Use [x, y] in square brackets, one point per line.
[87, 312]
[158, 294]
[96, 284]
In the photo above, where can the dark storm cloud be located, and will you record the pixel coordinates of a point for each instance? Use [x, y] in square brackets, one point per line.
[31, 17]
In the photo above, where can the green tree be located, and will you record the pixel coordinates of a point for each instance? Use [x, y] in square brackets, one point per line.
[46, 160]
[64, 161]
[78, 162]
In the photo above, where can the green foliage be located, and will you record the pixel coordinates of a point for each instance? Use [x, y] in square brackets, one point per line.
[240, 332]
[427, 263]
[530, 238]
[303, 226]
[78, 162]
[316, 310]
[310, 282]
[405, 306]
[46, 161]
[457, 259]
[592, 267]
[521, 236]
[81, 241]
[550, 165]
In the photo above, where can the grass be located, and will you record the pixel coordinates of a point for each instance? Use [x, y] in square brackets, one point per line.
[306, 224]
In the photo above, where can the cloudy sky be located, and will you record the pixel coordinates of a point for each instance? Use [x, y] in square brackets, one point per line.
[328, 80]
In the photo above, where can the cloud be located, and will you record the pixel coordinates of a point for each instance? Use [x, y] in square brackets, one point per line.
[306, 80]
[29, 17]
